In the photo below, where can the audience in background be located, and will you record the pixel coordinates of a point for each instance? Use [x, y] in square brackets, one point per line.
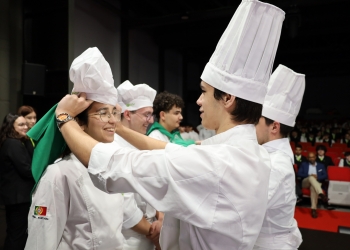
[298, 157]
[29, 114]
[345, 162]
[322, 157]
[312, 175]
[16, 180]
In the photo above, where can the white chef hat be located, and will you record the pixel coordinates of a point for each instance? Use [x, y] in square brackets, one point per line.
[91, 73]
[135, 97]
[242, 62]
[284, 96]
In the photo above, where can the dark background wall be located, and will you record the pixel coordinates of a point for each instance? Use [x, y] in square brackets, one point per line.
[166, 44]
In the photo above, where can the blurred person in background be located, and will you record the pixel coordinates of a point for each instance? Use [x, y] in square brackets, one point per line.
[16, 180]
[345, 162]
[322, 157]
[29, 114]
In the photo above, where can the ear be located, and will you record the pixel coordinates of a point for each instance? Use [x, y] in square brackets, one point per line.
[82, 126]
[126, 115]
[162, 115]
[228, 101]
[275, 128]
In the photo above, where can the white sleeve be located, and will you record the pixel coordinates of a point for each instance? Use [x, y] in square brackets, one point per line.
[341, 163]
[156, 134]
[132, 214]
[45, 231]
[170, 183]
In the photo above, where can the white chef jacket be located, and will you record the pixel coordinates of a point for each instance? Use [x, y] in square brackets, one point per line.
[280, 229]
[193, 135]
[156, 134]
[134, 240]
[218, 190]
[78, 216]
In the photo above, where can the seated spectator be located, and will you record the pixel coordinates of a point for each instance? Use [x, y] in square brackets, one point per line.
[29, 114]
[346, 161]
[328, 140]
[298, 158]
[346, 140]
[303, 135]
[205, 134]
[192, 134]
[183, 132]
[311, 138]
[335, 134]
[322, 158]
[319, 137]
[313, 174]
[294, 137]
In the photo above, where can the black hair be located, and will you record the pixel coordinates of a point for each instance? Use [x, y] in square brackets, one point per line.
[245, 111]
[298, 146]
[347, 153]
[7, 130]
[165, 101]
[284, 129]
[321, 147]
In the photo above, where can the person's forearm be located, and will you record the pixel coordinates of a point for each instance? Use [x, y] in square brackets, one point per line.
[78, 141]
[138, 140]
[142, 227]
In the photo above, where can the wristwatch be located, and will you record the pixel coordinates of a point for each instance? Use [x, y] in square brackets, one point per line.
[63, 118]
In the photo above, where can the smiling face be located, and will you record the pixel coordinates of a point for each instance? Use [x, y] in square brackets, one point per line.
[99, 130]
[141, 119]
[31, 119]
[210, 108]
[20, 126]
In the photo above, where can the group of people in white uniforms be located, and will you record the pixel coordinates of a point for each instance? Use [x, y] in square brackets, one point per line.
[212, 191]
[137, 114]
[67, 210]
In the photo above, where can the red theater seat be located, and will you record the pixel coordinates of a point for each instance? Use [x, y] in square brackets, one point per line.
[338, 173]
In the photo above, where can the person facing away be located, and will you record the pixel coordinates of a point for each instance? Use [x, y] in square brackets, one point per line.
[312, 175]
[67, 210]
[285, 90]
[16, 180]
[136, 102]
[208, 188]
[298, 157]
[29, 114]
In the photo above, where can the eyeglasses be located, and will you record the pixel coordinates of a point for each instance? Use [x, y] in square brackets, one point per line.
[148, 116]
[106, 116]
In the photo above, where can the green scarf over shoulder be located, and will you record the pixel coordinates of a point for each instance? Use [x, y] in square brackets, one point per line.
[49, 143]
[174, 136]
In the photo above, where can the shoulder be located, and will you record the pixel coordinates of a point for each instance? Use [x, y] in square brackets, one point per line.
[63, 169]
[156, 134]
[12, 142]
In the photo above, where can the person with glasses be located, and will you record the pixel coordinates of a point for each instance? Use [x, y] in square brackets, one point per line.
[137, 114]
[217, 192]
[67, 210]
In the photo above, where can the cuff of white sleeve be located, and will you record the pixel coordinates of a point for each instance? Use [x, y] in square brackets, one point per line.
[172, 147]
[133, 220]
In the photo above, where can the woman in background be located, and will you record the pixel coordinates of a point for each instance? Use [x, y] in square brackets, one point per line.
[29, 114]
[16, 180]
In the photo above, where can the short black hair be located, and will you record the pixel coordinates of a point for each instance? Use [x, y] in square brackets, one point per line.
[298, 146]
[347, 153]
[321, 147]
[165, 101]
[284, 129]
[245, 111]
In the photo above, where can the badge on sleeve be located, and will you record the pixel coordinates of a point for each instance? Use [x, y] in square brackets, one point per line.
[40, 210]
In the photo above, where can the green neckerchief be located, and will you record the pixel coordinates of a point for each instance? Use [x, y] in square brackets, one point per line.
[298, 157]
[174, 136]
[49, 143]
[321, 157]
